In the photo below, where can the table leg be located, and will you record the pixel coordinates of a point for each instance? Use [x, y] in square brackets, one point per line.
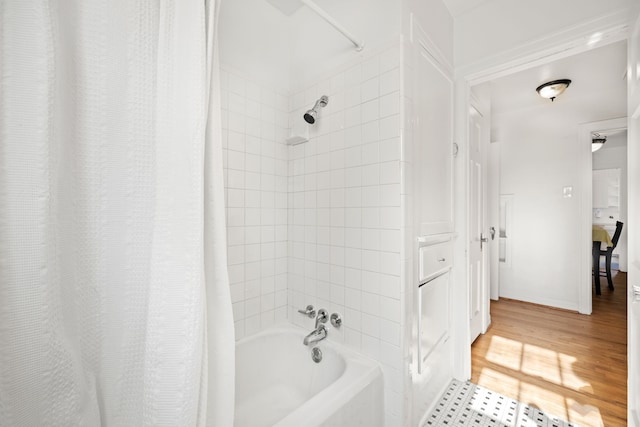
[596, 265]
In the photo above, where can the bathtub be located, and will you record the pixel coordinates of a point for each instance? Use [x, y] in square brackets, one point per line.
[278, 383]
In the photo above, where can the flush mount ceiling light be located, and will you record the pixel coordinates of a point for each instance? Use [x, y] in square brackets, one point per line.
[597, 141]
[553, 88]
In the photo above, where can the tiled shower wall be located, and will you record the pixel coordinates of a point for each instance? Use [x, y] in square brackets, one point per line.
[320, 222]
[345, 216]
[254, 122]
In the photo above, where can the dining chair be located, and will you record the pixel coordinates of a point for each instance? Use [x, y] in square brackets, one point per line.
[609, 252]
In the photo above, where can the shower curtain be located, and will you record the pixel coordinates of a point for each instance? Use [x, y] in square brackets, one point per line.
[114, 297]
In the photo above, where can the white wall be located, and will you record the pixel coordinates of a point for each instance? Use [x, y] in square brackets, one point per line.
[611, 158]
[255, 160]
[544, 269]
[255, 39]
[500, 26]
[287, 52]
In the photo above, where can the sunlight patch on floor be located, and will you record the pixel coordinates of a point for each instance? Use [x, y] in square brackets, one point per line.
[542, 398]
[540, 362]
[500, 382]
[505, 352]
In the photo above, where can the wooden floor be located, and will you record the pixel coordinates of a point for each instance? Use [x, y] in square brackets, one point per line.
[571, 365]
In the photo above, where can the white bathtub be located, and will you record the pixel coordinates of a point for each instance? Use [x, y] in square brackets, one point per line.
[278, 384]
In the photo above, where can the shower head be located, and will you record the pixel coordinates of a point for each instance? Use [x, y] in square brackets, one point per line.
[310, 115]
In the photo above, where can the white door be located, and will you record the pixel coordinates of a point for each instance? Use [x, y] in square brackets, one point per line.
[478, 245]
[633, 309]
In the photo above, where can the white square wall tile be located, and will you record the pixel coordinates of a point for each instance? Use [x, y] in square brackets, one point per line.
[371, 68]
[237, 292]
[352, 257]
[390, 332]
[371, 218]
[390, 263]
[353, 238]
[237, 84]
[353, 136]
[353, 298]
[353, 176]
[238, 310]
[371, 196]
[390, 218]
[371, 174]
[389, 104]
[371, 325]
[390, 195]
[353, 199]
[353, 97]
[252, 307]
[267, 302]
[237, 103]
[235, 141]
[370, 153]
[390, 172]
[370, 132]
[390, 127]
[370, 89]
[337, 294]
[371, 240]
[370, 110]
[353, 157]
[353, 339]
[352, 319]
[390, 309]
[352, 215]
[390, 81]
[390, 240]
[353, 278]
[371, 282]
[353, 116]
[370, 260]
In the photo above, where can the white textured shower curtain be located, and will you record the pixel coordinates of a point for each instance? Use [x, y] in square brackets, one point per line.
[114, 299]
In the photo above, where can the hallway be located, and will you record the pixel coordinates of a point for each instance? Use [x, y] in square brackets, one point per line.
[564, 363]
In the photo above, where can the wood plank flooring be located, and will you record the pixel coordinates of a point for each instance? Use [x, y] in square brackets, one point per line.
[564, 363]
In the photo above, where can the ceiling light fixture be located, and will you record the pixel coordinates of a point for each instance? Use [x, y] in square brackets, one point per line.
[597, 141]
[553, 88]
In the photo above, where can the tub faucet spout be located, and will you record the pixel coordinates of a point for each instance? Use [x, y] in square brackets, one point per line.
[316, 335]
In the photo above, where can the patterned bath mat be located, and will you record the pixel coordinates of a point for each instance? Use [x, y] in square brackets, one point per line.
[467, 404]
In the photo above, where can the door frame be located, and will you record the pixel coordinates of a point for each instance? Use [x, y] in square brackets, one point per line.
[586, 205]
[574, 40]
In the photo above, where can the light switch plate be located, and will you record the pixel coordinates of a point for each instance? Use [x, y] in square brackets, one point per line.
[567, 192]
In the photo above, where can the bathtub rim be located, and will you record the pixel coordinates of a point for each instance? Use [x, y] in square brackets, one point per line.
[360, 371]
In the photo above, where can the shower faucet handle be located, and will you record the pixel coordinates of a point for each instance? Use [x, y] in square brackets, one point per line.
[309, 312]
[323, 316]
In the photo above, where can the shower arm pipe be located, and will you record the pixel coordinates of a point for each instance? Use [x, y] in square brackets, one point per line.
[324, 15]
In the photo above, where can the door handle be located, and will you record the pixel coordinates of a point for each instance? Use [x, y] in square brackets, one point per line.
[483, 240]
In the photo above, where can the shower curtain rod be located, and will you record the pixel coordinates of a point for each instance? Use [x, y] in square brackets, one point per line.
[324, 15]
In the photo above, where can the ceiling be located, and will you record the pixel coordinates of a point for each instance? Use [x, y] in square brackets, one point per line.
[458, 7]
[597, 92]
